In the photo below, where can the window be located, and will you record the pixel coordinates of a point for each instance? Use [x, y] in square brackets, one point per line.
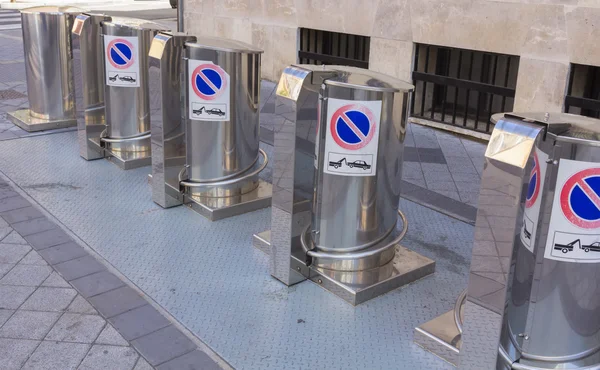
[323, 47]
[583, 93]
[462, 87]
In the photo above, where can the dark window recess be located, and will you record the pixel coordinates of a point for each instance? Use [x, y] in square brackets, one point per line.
[323, 47]
[462, 87]
[583, 94]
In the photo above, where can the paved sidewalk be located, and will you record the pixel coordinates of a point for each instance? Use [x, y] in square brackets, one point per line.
[61, 309]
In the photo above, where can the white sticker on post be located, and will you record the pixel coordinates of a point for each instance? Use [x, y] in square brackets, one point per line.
[352, 138]
[533, 199]
[208, 91]
[574, 230]
[121, 61]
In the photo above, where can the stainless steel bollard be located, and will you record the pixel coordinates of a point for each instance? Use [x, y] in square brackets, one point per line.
[126, 140]
[220, 113]
[537, 209]
[49, 69]
[340, 230]
[87, 63]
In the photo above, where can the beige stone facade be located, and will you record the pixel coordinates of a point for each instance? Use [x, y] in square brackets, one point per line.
[548, 35]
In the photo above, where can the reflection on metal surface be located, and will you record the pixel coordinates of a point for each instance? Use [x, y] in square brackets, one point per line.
[49, 69]
[212, 166]
[89, 87]
[128, 112]
[542, 312]
[338, 230]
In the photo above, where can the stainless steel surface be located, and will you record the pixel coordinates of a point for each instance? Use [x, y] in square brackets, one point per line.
[350, 247]
[128, 108]
[548, 309]
[24, 119]
[180, 16]
[442, 336]
[351, 211]
[168, 128]
[212, 166]
[49, 68]
[241, 178]
[89, 88]
[262, 241]
[219, 150]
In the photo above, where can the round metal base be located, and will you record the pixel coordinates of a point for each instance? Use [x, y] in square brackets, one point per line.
[374, 256]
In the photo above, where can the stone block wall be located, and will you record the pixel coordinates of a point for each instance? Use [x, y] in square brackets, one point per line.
[546, 34]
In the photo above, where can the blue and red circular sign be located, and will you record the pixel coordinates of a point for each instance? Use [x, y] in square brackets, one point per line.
[120, 53]
[353, 126]
[580, 199]
[533, 190]
[209, 81]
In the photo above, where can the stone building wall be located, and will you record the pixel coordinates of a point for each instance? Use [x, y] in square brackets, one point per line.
[546, 34]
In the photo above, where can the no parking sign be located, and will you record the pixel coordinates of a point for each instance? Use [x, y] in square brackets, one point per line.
[209, 91]
[574, 232]
[352, 139]
[121, 61]
[533, 199]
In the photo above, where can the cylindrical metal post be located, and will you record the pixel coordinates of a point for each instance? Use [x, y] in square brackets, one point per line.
[126, 44]
[48, 61]
[180, 18]
[359, 166]
[222, 90]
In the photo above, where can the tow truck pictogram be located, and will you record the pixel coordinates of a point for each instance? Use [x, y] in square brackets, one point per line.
[526, 232]
[113, 78]
[566, 248]
[337, 164]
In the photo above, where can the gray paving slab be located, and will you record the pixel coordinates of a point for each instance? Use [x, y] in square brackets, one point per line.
[142, 365]
[80, 305]
[79, 267]
[5, 315]
[22, 214]
[63, 252]
[29, 275]
[195, 360]
[98, 283]
[50, 299]
[33, 226]
[32, 325]
[75, 327]
[55, 280]
[12, 203]
[5, 268]
[138, 322]
[33, 258]
[13, 238]
[13, 253]
[57, 355]
[11, 297]
[47, 239]
[111, 337]
[14, 352]
[163, 345]
[117, 301]
[102, 357]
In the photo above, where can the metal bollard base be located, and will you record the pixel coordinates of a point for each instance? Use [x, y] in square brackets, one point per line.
[361, 286]
[262, 241]
[124, 160]
[219, 208]
[24, 120]
[441, 337]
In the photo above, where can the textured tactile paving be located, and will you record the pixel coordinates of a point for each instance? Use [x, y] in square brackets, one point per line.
[210, 277]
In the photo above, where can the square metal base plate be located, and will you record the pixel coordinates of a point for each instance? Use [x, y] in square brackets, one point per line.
[218, 208]
[441, 337]
[408, 267]
[24, 120]
[125, 160]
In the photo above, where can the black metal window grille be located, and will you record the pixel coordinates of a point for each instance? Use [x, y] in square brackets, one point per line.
[462, 87]
[583, 92]
[324, 47]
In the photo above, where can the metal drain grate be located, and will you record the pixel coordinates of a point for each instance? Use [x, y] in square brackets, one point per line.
[11, 94]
